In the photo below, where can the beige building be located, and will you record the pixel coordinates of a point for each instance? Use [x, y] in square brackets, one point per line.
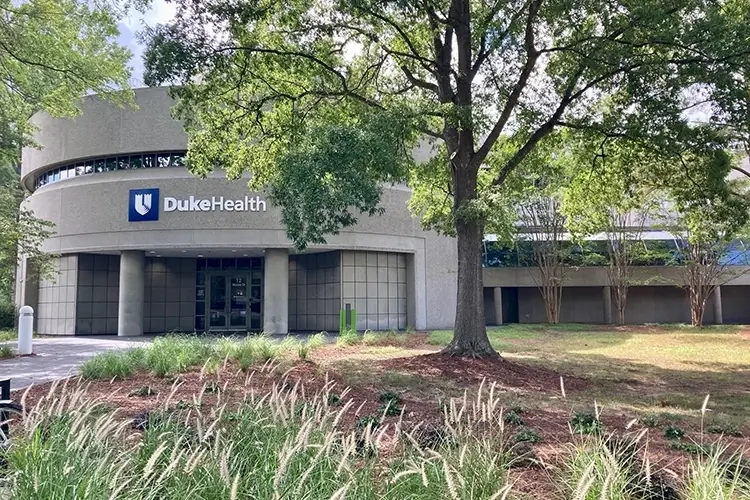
[145, 247]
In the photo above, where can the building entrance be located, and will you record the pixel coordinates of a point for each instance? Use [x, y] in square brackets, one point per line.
[234, 295]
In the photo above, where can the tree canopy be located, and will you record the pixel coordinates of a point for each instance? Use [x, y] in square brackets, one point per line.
[280, 89]
[52, 53]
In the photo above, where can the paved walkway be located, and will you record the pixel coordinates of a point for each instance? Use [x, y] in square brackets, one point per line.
[57, 358]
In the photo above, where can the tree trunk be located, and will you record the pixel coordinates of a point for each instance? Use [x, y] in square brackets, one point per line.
[470, 334]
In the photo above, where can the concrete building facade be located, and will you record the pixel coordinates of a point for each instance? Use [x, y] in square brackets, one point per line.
[146, 247]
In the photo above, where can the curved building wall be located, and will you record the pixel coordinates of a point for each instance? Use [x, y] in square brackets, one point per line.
[212, 218]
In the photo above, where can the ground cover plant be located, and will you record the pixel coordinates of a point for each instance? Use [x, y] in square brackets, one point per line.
[471, 429]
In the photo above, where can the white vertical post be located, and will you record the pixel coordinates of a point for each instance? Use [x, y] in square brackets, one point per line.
[25, 330]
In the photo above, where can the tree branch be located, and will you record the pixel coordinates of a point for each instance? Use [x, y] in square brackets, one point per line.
[531, 57]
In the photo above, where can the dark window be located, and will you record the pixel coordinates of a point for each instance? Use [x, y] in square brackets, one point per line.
[244, 264]
[214, 264]
[159, 160]
[200, 323]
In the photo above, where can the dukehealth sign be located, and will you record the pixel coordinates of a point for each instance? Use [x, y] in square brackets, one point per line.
[143, 204]
[215, 203]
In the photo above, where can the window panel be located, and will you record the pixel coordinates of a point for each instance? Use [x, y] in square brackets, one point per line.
[149, 161]
[159, 160]
[178, 160]
[162, 160]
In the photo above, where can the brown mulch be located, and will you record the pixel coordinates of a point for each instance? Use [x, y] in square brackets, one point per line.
[470, 371]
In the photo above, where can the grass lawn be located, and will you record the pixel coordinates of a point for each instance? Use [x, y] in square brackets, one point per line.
[386, 416]
[647, 367]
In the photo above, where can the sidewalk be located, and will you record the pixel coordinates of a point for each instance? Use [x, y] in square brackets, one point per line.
[57, 358]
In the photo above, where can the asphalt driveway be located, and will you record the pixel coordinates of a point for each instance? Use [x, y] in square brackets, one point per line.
[56, 358]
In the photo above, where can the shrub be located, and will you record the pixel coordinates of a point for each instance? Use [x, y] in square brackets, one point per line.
[6, 352]
[389, 397]
[527, 436]
[601, 469]
[712, 476]
[372, 421]
[370, 338]
[303, 351]
[724, 428]
[176, 353]
[316, 341]
[8, 315]
[673, 432]
[348, 337]
[650, 420]
[512, 418]
[585, 423]
[334, 399]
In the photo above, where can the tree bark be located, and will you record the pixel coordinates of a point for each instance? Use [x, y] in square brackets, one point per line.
[470, 335]
[470, 332]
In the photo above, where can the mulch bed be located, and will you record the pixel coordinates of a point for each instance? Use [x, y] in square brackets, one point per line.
[551, 422]
[470, 371]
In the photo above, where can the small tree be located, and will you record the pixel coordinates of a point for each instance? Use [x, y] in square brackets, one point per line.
[615, 198]
[701, 274]
[707, 229]
[624, 245]
[543, 224]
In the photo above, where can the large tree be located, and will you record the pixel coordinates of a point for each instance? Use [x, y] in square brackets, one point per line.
[52, 53]
[322, 101]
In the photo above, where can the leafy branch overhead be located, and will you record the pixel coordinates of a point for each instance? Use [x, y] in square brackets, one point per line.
[463, 72]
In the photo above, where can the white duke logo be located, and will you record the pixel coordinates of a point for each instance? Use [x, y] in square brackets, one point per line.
[143, 205]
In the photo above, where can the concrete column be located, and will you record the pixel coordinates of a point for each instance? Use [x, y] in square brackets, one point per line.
[130, 306]
[607, 300]
[276, 291]
[718, 311]
[497, 293]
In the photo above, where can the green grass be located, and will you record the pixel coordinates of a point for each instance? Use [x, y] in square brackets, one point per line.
[686, 363]
[6, 335]
[6, 351]
[173, 354]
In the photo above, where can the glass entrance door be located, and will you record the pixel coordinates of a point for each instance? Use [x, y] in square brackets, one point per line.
[238, 302]
[235, 301]
[217, 291]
